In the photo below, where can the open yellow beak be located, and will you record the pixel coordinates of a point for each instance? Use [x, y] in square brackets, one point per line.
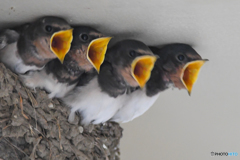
[190, 73]
[141, 69]
[97, 50]
[60, 43]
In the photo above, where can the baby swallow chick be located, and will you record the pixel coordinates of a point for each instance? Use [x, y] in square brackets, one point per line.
[178, 65]
[87, 53]
[99, 96]
[35, 44]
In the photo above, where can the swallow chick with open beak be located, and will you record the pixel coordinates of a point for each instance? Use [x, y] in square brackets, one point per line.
[87, 53]
[35, 44]
[97, 97]
[178, 65]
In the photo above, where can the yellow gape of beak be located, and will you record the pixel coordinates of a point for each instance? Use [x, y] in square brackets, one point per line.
[97, 50]
[141, 69]
[190, 73]
[60, 43]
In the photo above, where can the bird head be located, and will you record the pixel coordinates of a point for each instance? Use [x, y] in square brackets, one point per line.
[133, 60]
[181, 63]
[87, 51]
[51, 36]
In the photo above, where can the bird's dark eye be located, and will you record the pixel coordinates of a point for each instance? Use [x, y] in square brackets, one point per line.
[84, 37]
[181, 57]
[132, 53]
[48, 28]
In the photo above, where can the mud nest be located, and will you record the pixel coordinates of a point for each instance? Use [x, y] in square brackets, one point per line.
[32, 126]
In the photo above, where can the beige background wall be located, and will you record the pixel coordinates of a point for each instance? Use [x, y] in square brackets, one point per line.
[177, 127]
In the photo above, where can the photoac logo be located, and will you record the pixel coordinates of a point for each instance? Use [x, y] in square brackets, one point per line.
[224, 154]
